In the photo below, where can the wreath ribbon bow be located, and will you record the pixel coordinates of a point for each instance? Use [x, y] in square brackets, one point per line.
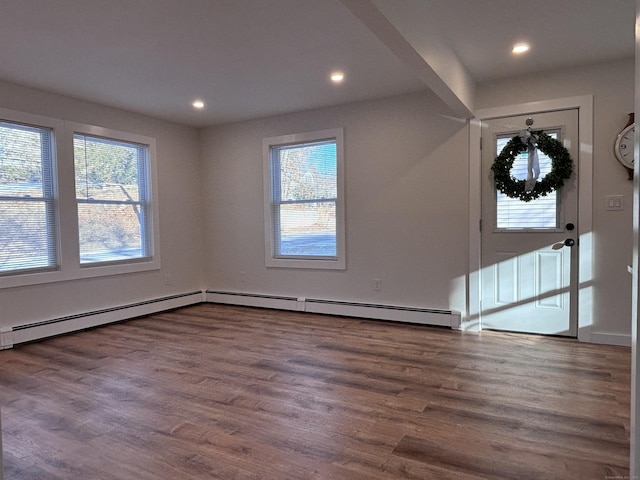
[533, 163]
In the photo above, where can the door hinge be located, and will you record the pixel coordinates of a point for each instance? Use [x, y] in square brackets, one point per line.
[480, 143]
[480, 224]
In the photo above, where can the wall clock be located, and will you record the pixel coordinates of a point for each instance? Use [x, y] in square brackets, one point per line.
[624, 146]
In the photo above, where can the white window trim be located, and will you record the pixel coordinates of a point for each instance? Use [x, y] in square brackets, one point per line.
[331, 264]
[66, 208]
[121, 266]
[53, 126]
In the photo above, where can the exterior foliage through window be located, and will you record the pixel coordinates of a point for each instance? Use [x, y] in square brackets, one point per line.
[113, 199]
[27, 201]
[305, 195]
[304, 200]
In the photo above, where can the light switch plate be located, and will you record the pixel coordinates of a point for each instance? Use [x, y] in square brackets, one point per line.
[614, 202]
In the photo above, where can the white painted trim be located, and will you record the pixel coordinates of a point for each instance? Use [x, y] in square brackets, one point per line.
[386, 312]
[53, 327]
[1, 460]
[634, 436]
[66, 212]
[337, 263]
[584, 104]
[253, 300]
[395, 313]
[472, 319]
[611, 339]
[10, 336]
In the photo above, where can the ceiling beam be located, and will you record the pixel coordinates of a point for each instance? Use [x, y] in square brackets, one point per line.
[434, 63]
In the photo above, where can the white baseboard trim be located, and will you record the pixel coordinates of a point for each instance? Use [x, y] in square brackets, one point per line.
[10, 336]
[424, 316]
[395, 313]
[253, 300]
[57, 326]
[611, 339]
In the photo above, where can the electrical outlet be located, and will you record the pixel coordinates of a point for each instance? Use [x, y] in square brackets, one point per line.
[167, 279]
[243, 277]
[377, 284]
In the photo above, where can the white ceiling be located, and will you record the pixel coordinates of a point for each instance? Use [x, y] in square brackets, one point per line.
[253, 58]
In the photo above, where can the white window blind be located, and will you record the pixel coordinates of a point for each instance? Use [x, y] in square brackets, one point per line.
[113, 197]
[28, 231]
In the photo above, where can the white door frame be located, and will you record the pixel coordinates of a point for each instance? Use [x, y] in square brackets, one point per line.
[634, 462]
[584, 104]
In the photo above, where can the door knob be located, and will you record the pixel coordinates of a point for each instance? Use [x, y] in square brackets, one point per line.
[569, 242]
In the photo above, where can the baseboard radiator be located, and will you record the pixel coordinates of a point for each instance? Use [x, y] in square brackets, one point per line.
[424, 316]
[10, 336]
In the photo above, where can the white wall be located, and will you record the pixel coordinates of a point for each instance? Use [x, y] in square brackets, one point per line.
[612, 87]
[180, 216]
[406, 202]
[406, 205]
[406, 193]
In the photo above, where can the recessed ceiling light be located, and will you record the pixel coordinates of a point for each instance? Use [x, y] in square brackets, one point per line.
[519, 48]
[337, 77]
[199, 104]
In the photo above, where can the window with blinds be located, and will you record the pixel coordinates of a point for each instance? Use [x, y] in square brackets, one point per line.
[112, 193]
[28, 226]
[305, 204]
[538, 214]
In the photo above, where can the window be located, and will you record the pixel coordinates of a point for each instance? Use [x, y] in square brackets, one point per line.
[75, 201]
[304, 200]
[538, 214]
[112, 192]
[28, 226]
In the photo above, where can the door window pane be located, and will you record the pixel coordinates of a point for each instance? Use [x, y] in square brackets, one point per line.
[514, 214]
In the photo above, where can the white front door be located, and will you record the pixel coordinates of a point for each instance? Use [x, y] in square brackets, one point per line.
[529, 276]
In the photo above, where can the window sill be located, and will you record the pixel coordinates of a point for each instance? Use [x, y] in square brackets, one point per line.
[78, 273]
[312, 264]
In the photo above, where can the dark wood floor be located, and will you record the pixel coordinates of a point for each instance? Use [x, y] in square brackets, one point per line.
[235, 393]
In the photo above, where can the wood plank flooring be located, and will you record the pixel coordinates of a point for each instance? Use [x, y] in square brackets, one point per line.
[226, 392]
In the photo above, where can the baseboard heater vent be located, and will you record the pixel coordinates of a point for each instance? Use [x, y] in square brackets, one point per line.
[424, 316]
[396, 313]
[253, 300]
[70, 323]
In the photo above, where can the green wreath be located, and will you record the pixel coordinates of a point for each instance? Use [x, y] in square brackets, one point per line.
[561, 168]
